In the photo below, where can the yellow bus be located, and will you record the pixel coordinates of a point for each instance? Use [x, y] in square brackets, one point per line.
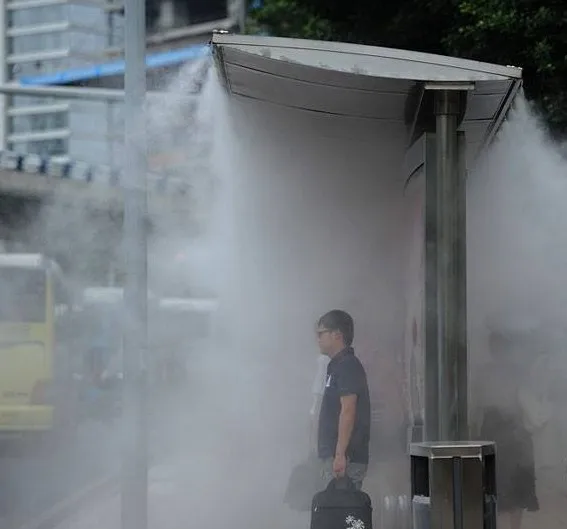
[36, 382]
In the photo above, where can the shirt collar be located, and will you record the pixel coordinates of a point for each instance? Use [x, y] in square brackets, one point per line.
[341, 354]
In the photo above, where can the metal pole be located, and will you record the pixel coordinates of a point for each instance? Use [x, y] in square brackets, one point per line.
[71, 92]
[431, 293]
[451, 335]
[135, 455]
[461, 265]
[65, 92]
[242, 15]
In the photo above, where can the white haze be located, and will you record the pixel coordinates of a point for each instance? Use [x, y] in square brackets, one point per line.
[517, 257]
[310, 215]
[308, 218]
[318, 221]
[517, 253]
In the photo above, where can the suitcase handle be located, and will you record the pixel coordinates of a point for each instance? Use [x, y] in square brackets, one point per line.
[342, 483]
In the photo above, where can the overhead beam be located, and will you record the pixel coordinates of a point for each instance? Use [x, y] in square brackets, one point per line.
[92, 94]
[86, 94]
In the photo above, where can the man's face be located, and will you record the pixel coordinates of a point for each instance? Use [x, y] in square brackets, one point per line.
[326, 339]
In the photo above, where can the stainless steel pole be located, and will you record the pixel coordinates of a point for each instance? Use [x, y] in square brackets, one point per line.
[461, 295]
[452, 335]
[72, 92]
[64, 92]
[135, 455]
[431, 293]
[242, 15]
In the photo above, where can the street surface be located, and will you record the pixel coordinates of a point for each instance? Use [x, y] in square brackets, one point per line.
[176, 501]
[30, 485]
[201, 475]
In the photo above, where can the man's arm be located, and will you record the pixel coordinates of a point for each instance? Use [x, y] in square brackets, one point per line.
[314, 422]
[346, 423]
[318, 389]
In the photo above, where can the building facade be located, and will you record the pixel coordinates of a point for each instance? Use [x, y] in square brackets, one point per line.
[72, 42]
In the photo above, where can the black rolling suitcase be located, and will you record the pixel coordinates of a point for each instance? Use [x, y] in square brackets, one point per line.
[341, 506]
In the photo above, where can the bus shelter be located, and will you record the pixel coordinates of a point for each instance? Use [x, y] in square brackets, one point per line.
[439, 113]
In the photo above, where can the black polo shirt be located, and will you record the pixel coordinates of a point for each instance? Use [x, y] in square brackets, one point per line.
[345, 376]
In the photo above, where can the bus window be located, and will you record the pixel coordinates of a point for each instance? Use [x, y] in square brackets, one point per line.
[23, 295]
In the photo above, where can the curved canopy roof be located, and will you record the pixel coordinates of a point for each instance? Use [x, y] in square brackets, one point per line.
[364, 82]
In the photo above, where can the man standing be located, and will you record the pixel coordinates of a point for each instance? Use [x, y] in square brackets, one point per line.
[344, 419]
[318, 391]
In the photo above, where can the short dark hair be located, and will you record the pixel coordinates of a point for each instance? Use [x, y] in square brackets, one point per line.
[339, 320]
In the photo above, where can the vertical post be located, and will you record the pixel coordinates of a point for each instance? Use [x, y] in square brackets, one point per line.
[431, 303]
[242, 14]
[462, 340]
[452, 339]
[135, 470]
[3, 76]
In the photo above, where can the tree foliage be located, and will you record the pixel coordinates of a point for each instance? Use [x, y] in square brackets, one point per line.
[527, 33]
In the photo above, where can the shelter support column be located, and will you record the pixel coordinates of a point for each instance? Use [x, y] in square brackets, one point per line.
[450, 214]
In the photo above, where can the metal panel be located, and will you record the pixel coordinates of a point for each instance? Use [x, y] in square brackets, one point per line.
[464, 449]
[453, 485]
[442, 494]
[318, 75]
[361, 81]
[475, 129]
[483, 106]
[492, 87]
[506, 105]
[286, 121]
[302, 94]
[414, 157]
[368, 60]
[472, 481]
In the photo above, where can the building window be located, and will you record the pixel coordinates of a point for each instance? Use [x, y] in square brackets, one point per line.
[48, 41]
[38, 122]
[44, 148]
[115, 30]
[33, 101]
[31, 16]
[86, 43]
[37, 67]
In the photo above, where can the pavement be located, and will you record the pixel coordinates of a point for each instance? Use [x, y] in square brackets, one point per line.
[34, 484]
[552, 494]
[179, 497]
[553, 514]
[211, 475]
[176, 501]
[31, 483]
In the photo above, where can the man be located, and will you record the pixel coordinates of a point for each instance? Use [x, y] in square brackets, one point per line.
[318, 390]
[344, 418]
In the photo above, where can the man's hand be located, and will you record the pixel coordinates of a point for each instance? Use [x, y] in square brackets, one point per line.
[339, 465]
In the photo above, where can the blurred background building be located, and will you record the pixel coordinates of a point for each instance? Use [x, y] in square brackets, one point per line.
[81, 42]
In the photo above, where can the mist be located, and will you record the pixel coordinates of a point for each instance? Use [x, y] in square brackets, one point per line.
[517, 255]
[293, 214]
[309, 219]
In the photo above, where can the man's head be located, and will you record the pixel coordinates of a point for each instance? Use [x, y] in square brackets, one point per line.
[335, 331]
